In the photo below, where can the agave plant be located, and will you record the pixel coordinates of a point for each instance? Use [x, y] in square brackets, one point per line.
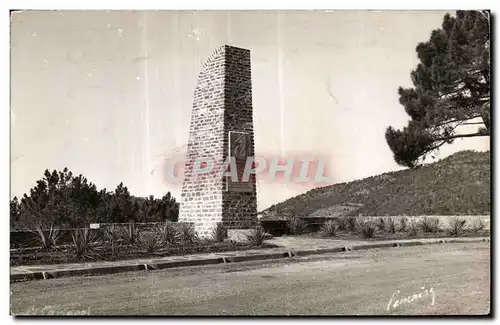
[186, 234]
[169, 234]
[258, 235]
[129, 235]
[412, 229]
[151, 241]
[297, 226]
[219, 233]
[47, 238]
[366, 228]
[113, 235]
[381, 224]
[430, 225]
[403, 224]
[352, 224]
[456, 226]
[390, 226]
[343, 223]
[84, 243]
[329, 228]
[477, 226]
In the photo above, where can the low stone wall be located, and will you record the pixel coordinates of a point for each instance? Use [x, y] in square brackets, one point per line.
[444, 220]
[280, 227]
[238, 235]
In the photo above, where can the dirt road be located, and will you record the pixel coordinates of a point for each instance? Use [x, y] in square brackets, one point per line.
[442, 279]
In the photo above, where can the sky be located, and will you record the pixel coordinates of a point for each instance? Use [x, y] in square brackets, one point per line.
[108, 94]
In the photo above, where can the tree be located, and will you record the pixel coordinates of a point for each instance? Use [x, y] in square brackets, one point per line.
[61, 199]
[65, 200]
[15, 210]
[84, 199]
[104, 212]
[34, 207]
[170, 208]
[451, 89]
[143, 209]
[121, 203]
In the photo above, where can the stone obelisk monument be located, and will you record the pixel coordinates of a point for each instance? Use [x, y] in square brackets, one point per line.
[221, 127]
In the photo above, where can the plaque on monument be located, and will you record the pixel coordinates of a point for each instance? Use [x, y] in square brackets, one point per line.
[239, 148]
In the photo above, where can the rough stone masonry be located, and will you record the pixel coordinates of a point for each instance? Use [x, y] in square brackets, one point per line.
[221, 127]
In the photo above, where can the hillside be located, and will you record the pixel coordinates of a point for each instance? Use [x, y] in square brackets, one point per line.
[456, 185]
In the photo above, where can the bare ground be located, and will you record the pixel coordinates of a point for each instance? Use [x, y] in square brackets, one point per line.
[352, 283]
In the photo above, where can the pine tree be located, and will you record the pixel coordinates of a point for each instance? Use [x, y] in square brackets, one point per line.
[34, 207]
[451, 88]
[65, 200]
[122, 205]
[170, 208]
[84, 200]
[61, 199]
[15, 210]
